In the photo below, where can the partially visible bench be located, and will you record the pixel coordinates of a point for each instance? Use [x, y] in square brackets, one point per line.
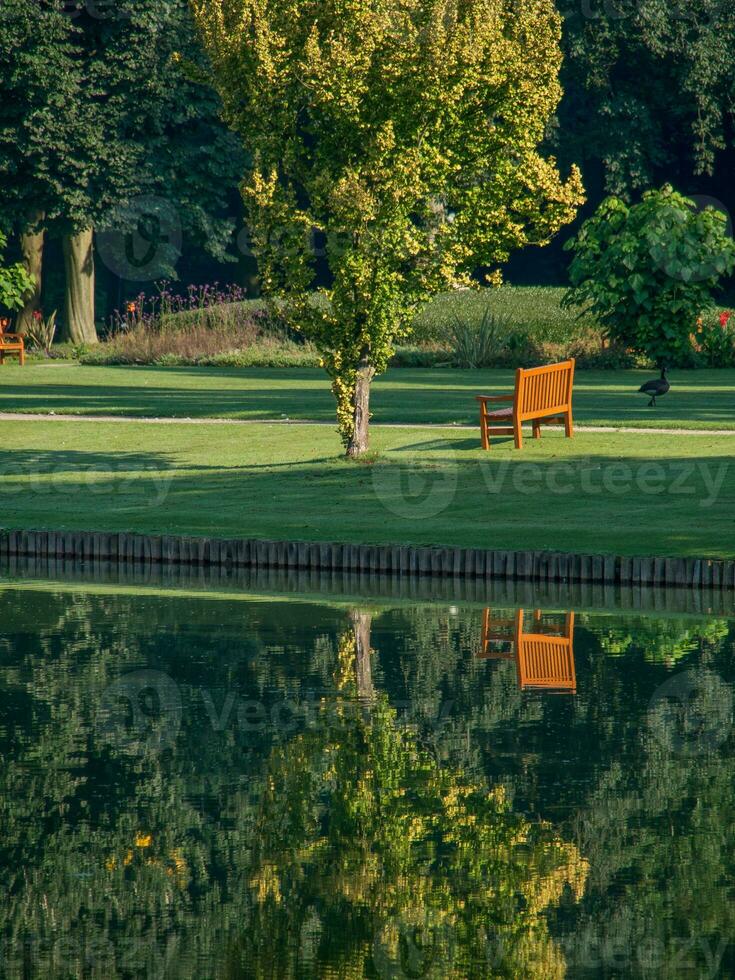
[11, 343]
[544, 658]
[542, 394]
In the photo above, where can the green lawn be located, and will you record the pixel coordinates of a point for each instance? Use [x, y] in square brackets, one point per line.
[699, 399]
[647, 494]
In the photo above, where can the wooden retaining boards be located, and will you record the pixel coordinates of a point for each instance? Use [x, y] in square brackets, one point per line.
[387, 560]
[240, 581]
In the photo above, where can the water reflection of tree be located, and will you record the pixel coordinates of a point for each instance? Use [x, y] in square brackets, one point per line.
[656, 826]
[369, 851]
[658, 835]
[121, 863]
[657, 640]
[119, 867]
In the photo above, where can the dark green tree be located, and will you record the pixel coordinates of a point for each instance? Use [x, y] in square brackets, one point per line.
[650, 270]
[94, 112]
[649, 88]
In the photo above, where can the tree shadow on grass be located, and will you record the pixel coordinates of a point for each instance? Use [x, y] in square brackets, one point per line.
[401, 396]
[570, 504]
[151, 402]
[42, 461]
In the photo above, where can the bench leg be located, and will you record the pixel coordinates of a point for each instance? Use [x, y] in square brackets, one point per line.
[568, 425]
[485, 435]
[22, 358]
[536, 429]
[517, 433]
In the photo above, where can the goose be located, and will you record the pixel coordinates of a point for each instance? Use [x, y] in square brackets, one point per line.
[656, 388]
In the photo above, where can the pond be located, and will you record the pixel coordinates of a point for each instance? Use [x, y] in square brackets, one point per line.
[226, 782]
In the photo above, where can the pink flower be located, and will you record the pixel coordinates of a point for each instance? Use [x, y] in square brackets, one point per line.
[724, 318]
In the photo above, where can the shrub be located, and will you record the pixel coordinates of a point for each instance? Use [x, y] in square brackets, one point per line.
[41, 331]
[14, 281]
[648, 271]
[420, 357]
[245, 345]
[208, 325]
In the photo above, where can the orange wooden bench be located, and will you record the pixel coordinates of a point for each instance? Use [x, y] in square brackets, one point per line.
[542, 395]
[11, 343]
[544, 658]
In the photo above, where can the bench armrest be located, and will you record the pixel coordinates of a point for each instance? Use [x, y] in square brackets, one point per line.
[495, 398]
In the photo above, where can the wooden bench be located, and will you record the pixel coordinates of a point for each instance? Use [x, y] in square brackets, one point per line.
[11, 343]
[544, 657]
[542, 395]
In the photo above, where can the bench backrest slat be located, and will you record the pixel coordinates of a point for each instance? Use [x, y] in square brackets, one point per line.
[544, 390]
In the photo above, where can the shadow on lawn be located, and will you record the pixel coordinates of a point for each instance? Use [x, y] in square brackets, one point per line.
[645, 507]
[43, 461]
[400, 396]
[151, 402]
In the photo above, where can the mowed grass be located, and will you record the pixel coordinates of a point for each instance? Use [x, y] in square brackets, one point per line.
[698, 400]
[609, 493]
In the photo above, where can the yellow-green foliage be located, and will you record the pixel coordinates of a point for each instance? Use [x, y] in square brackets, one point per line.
[405, 133]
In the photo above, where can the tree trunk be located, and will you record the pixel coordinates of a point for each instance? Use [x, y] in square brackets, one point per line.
[361, 624]
[79, 307]
[31, 244]
[360, 438]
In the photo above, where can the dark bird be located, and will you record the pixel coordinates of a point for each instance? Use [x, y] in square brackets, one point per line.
[656, 388]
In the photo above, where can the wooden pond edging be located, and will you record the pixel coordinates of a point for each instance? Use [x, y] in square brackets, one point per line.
[535, 566]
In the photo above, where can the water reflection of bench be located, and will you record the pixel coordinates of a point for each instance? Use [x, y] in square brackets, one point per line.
[544, 658]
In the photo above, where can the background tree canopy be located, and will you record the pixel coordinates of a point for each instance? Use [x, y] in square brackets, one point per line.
[648, 97]
[94, 112]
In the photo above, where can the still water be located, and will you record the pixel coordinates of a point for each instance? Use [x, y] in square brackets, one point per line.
[238, 785]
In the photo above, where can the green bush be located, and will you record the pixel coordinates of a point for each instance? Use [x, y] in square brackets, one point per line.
[648, 271]
[420, 357]
[14, 281]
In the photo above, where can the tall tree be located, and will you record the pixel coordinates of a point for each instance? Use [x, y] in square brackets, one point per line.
[650, 88]
[94, 112]
[37, 87]
[406, 134]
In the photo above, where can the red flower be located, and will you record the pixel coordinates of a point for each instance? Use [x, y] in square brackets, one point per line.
[37, 316]
[724, 318]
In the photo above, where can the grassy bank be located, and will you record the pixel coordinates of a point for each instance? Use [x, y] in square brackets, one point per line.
[611, 493]
[699, 399]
